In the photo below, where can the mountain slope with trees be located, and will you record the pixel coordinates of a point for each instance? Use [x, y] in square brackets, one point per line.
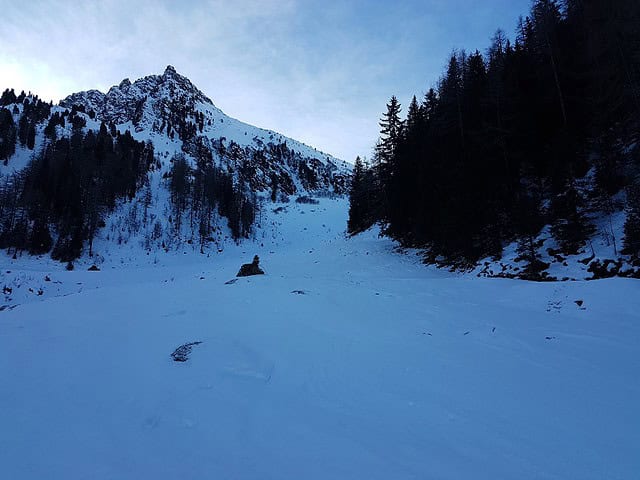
[153, 160]
[536, 139]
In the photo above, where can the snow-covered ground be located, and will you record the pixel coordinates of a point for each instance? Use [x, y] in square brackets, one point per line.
[346, 360]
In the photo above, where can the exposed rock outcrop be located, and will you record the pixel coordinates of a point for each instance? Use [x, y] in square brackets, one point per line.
[252, 268]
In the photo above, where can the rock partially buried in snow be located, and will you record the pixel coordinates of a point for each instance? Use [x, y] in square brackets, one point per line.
[252, 268]
[181, 354]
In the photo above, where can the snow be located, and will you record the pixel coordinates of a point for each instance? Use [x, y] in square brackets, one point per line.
[376, 367]
[604, 243]
[158, 91]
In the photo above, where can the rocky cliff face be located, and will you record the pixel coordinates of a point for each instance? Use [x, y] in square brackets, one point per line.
[170, 106]
[144, 100]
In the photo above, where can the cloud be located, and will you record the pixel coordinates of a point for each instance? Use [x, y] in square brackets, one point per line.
[320, 72]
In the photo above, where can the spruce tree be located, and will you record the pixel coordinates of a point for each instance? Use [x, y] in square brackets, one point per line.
[390, 132]
[7, 135]
[360, 214]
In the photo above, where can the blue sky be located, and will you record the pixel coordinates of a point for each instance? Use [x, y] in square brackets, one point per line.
[317, 71]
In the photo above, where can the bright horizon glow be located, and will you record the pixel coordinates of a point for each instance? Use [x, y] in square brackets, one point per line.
[319, 72]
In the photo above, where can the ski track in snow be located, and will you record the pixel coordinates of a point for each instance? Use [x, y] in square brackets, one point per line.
[381, 368]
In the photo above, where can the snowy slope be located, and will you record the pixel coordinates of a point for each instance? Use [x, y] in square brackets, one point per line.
[173, 115]
[345, 361]
[148, 99]
[602, 248]
[150, 105]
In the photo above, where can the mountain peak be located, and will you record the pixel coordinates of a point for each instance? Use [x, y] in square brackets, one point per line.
[123, 102]
[170, 104]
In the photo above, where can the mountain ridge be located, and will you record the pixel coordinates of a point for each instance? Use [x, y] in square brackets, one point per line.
[157, 144]
[121, 101]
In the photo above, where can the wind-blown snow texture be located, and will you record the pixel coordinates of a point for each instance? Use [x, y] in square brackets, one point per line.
[345, 361]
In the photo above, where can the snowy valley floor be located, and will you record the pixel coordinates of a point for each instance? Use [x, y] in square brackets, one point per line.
[346, 361]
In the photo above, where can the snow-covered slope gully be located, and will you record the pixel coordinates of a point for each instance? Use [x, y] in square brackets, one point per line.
[344, 361]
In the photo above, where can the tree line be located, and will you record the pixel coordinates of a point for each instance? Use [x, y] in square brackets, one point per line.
[59, 201]
[201, 192]
[33, 112]
[76, 177]
[541, 130]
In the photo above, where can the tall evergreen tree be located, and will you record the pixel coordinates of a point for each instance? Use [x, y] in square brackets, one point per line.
[7, 135]
[498, 149]
[390, 131]
[360, 208]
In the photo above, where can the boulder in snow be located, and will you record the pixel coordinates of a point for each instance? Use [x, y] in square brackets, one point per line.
[252, 268]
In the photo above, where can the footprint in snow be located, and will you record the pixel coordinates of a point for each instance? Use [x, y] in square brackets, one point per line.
[554, 306]
[250, 373]
[151, 422]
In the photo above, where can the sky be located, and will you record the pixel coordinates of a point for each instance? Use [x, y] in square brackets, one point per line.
[317, 71]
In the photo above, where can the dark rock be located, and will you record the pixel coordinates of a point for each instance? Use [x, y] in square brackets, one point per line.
[579, 302]
[181, 354]
[94, 268]
[305, 199]
[586, 261]
[604, 269]
[252, 268]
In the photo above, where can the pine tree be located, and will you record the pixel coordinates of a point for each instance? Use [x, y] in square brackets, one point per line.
[632, 222]
[360, 208]
[391, 128]
[570, 228]
[7, 135]
[8, 97]
[31, 137]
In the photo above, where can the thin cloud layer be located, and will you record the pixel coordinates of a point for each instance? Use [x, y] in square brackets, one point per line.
[320, 72]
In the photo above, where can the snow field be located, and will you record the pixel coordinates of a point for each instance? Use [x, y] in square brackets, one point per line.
[347, 360]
